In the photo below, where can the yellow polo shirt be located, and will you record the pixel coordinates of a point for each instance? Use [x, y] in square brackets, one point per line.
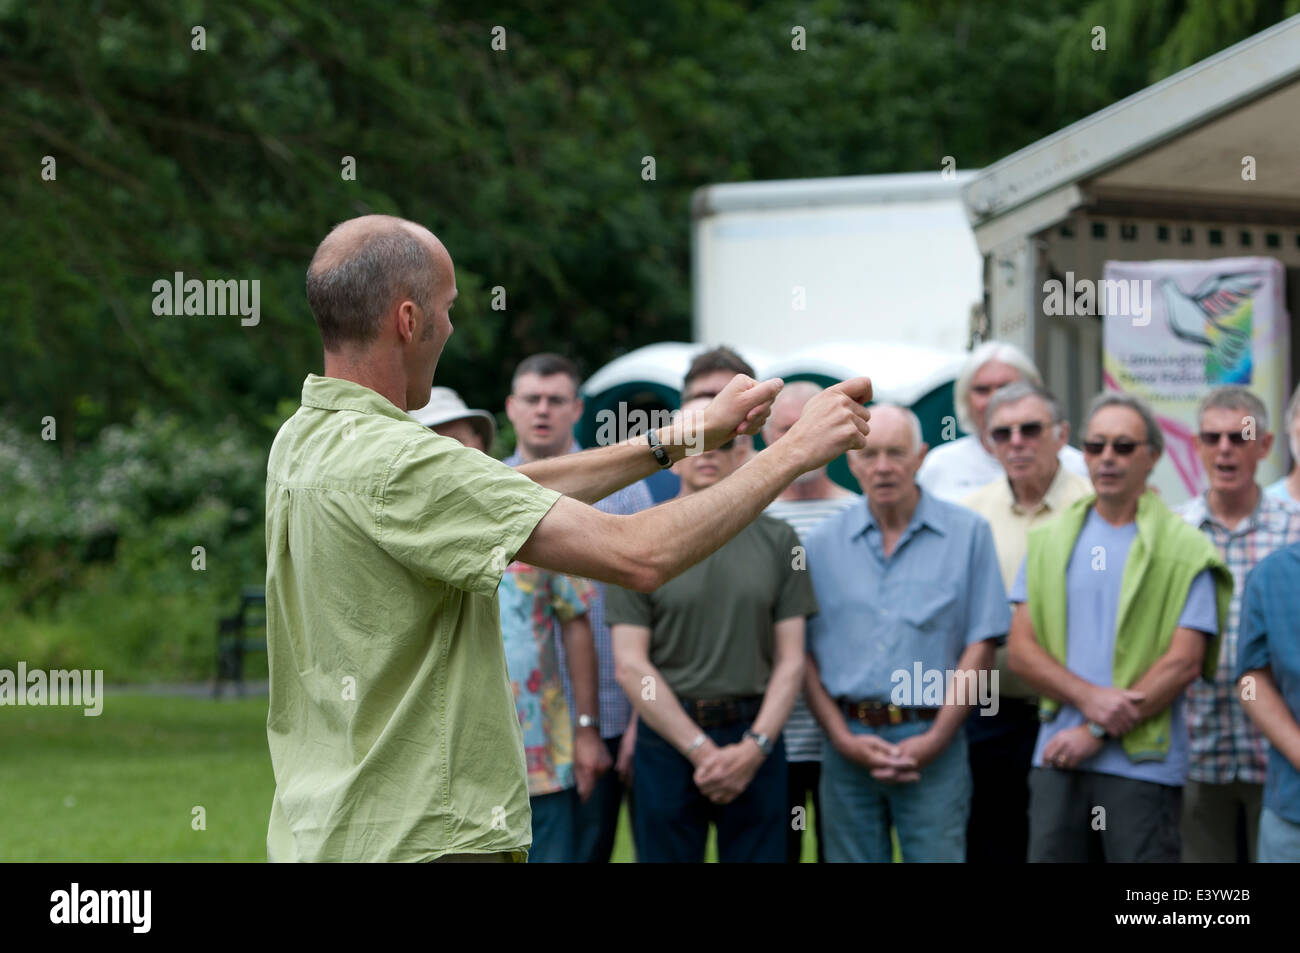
[1011, 523]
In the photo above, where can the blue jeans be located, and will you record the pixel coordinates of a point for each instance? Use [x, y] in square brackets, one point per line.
[554, 827]
[1279, 839]
[930, 814]
[672, 815]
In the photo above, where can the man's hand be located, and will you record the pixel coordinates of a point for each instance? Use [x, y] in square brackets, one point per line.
[833, 422]
[922, 749]
[590, 760]
[1115, 709]
[742, 407]
[887, 762]
[725, 774]
[1068, 748]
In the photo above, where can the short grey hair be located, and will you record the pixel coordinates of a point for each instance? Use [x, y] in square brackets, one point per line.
[999, 351]
[1235, 397]
[1019, 390]
[1293, 408]
[915, 421]
[1155, 439]
[349, 293]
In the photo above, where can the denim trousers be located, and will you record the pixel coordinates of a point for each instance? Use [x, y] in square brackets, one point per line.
[672, 815]
[929, 815]
[555, 818]
[1279, 839]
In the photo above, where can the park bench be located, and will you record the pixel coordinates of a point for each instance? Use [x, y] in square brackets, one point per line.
[233, 641]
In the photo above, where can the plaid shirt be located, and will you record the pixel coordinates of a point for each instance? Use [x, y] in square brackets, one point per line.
[615, 709]
[1225, 745]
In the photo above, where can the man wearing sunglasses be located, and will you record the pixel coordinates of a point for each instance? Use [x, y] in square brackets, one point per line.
[1225, 783]
[1120, 606]
[1028, 430]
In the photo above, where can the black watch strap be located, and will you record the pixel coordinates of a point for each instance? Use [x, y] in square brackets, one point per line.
[661, 455]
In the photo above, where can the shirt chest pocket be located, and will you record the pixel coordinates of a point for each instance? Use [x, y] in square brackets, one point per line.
[929, 609]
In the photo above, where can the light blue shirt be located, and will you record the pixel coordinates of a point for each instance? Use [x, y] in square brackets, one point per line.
[939, 592]
[1092, 582]
[1278, 491]
[1270, 609]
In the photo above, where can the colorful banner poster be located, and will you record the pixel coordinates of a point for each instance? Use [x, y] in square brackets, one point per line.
[1174, 330]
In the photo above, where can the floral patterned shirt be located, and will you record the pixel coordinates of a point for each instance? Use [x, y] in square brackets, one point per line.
[532, 600]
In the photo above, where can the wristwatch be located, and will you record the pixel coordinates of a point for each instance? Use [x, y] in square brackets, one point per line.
[588, 721]
[1097, 731]
[763, 741]
[661, 455]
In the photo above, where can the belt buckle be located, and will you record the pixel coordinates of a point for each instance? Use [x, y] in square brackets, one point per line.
[895, 715]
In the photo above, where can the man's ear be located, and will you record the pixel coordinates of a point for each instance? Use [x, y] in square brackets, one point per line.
[920, 454]
[406, 321]
[1065, 433]
[1265, 445]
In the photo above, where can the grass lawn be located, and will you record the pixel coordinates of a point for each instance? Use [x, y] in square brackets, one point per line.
[123, 786]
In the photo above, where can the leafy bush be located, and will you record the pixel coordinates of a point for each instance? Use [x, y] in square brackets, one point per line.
[97, 561]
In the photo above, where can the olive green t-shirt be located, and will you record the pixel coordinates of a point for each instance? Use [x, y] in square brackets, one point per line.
[711, 628]
[392, 726]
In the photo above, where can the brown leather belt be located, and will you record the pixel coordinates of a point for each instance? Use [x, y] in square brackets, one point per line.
[714, 713]
[875, 714]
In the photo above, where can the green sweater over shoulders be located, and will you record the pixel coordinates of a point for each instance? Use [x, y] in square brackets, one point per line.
[1166, 556]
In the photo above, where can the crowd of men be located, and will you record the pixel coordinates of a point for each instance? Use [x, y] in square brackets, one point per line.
[1001, 650]
[1114, 728]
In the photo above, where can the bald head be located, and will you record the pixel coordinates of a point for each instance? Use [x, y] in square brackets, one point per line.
[365, 268]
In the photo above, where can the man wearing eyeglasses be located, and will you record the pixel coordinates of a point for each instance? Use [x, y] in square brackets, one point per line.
[712, 662]
[1028, 430]
[1120, 605]
[1225, 782]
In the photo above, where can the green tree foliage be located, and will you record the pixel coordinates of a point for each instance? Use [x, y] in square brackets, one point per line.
[227, 162]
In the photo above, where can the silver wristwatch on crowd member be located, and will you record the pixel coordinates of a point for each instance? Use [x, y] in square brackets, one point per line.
[695, 745]
[1097, 731]
[588, 721]
[763, 741]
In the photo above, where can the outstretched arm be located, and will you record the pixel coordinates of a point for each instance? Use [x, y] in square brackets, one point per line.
[590, 476]
[646, 549]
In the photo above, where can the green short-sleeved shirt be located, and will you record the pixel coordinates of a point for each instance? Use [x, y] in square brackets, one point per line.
[711, 628]
[392, 726]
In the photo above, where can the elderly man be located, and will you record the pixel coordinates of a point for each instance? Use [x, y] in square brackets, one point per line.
[911, 608]
[391, 727]
[1028, 430]
[954, 469]
[1268, 665]
[712, 661]
[1117, 600]
[805, 504]
[1225, 778]
[544, 405]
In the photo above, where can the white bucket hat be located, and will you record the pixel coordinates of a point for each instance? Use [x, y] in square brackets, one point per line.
[445, 405]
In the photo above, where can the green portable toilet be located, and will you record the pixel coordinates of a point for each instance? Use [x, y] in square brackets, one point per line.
[627, 394]
[910, 375]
